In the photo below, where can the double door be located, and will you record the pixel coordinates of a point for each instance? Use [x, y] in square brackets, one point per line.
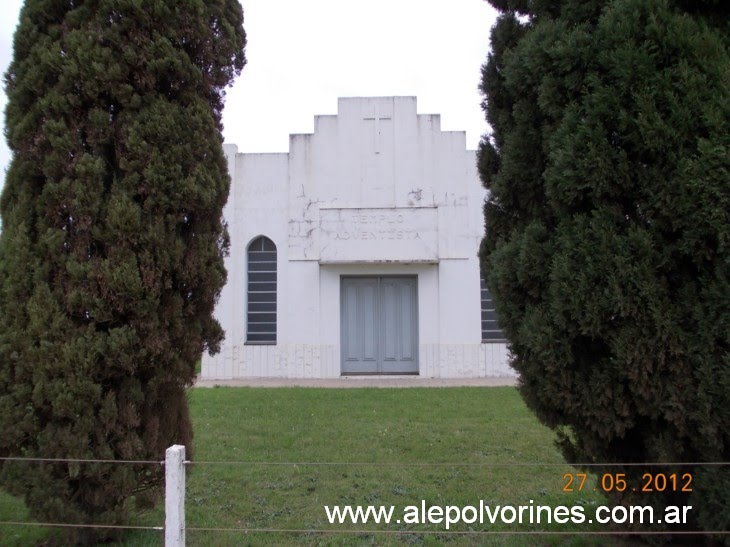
[379, 325]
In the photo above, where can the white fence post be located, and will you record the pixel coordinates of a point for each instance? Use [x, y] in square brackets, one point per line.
[175, 496]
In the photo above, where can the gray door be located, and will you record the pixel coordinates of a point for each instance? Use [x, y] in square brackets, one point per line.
[379, 325]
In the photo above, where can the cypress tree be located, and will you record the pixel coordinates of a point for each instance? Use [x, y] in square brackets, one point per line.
[608, 232]
[111, 253]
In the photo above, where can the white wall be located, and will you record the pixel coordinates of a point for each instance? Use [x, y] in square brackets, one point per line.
[376, 190]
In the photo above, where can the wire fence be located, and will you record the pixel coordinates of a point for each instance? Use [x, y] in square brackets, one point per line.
[335, 531]
[181, 463]
[375, 464]
[330, 531]
[78, 460]
[66, 525]
[460, 464]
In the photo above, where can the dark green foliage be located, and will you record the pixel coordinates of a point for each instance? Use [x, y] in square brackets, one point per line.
[608, 229]
[111, 254]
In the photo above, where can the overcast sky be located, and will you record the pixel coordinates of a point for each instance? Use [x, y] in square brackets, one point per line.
[303, 55]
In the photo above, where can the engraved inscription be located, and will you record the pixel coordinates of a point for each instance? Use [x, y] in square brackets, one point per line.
[374, 226]
[395, 234]
[379, 234]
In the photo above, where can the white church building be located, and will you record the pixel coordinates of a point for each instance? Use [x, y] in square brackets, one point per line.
[356, 253]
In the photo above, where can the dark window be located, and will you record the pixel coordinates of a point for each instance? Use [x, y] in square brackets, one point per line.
[261, 312]
[491, 331]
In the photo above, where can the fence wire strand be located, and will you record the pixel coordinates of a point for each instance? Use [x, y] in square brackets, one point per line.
[77, 460]
[458, 464]
[374, 464]
[61, 525]
[455, 532]
[373, 532]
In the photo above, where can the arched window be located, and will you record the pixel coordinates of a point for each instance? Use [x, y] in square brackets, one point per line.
[491, 331]
[261, 318]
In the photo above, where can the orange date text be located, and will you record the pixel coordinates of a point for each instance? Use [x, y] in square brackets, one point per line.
[618, 482]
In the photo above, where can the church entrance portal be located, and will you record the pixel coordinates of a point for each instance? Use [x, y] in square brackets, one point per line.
[379, 325]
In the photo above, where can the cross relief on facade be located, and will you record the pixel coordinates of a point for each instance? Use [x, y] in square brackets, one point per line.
[377, 123]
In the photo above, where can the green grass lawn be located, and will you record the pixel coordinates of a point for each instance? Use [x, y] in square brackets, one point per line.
[369, 426]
